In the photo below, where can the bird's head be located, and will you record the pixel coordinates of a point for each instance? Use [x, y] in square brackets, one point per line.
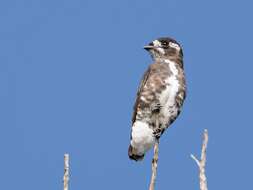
[164, 48]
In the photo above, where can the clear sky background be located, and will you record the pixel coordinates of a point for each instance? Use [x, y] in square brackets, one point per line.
[69, 72]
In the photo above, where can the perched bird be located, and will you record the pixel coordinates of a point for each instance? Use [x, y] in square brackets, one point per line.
[160, 96]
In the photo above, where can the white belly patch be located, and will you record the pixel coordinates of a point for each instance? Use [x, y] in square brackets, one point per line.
[142, 137]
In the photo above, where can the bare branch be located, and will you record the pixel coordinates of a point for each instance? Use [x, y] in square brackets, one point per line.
[202, 163]
[66, 172]
[154, 166]
[155, 159]
[195, 159]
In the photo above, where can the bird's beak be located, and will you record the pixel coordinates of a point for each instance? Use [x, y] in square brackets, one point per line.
[148, 47]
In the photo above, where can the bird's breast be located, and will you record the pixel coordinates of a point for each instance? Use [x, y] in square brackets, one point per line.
[169, 95]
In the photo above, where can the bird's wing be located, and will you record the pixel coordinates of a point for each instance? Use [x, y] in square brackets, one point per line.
[142, 84]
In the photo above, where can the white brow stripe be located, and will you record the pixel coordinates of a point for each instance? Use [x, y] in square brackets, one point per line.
[157, 43]
[173, 45]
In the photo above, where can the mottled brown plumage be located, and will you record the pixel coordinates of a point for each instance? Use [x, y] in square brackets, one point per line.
[160, 96]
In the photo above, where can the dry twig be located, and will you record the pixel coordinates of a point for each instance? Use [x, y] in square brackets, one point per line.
[202, 162]
[66, 172]
[154, 160]
[154, 166]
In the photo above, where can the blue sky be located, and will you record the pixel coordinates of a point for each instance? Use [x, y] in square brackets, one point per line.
[69, 72]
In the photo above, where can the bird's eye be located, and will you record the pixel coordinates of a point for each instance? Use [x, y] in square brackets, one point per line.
[164, 43]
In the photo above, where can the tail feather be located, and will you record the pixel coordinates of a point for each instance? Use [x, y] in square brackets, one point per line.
[132, 153]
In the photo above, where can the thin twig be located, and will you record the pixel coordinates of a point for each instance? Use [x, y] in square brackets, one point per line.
[66, 172]
[202, 162]
[154, 166]
[154, 160]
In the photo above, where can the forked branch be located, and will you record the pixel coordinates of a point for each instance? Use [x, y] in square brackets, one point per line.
[202, 162]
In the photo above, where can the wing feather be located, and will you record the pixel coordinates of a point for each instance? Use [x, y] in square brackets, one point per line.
[142, 84]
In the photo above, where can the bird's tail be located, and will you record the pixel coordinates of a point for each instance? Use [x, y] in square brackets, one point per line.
[132, 153]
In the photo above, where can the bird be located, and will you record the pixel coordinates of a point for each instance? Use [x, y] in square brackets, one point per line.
[160, 96]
